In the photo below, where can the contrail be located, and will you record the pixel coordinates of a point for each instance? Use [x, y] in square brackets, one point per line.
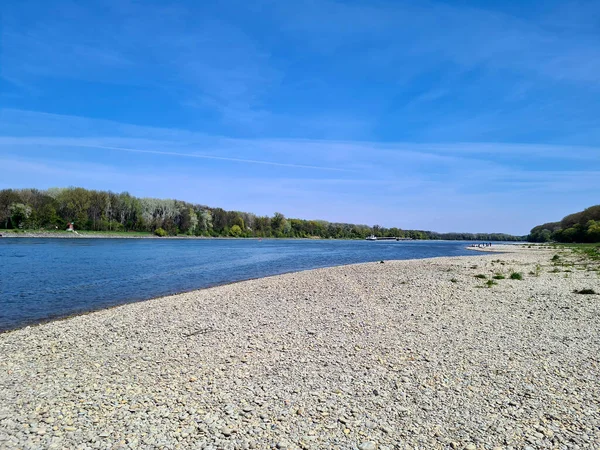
[221, 158]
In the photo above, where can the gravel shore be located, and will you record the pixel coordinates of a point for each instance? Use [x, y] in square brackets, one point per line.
[395, 355]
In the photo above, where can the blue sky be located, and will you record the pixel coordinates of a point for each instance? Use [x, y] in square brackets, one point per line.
[448, 115]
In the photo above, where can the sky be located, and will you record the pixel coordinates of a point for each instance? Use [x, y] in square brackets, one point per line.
[479, 116]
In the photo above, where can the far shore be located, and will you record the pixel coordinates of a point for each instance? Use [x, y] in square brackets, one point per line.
[140, 235]
[450, 352]
[122, 235]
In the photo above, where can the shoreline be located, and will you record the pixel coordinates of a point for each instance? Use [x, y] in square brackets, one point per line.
[370, 355]
[91, 311]
[107, 235]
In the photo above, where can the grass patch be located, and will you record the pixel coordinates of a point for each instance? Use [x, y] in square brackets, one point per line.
[481, 276]
[555, 270]
[516, 276]
[585, 291]
[591, 251]
[498, 276]
[555, 258]
[490, 283]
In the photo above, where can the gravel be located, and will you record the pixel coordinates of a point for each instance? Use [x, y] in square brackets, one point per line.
[367, 356]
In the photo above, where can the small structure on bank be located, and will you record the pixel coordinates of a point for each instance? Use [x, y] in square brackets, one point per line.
[71, 227]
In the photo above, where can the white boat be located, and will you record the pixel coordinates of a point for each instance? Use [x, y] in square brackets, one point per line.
[371, 238]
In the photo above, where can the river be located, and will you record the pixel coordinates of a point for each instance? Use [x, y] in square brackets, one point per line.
[41, 279]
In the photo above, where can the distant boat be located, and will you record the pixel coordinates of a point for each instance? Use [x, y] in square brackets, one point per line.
[388, 238]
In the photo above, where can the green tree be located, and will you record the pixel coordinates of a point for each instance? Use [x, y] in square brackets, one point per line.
[593, 231]
[239, 221]
[262, 226]
[19, 214]
[278, 224]
[189, 221]
[170, 227]
[569, 235]
[235, 231]
[219, 219]
[7, 198]
[160, 232]
[205, 224]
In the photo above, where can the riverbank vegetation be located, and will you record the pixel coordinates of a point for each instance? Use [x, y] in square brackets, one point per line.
[105, 211]
[583, 226]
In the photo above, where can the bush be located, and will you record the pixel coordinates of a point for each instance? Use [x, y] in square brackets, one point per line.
[235, 231]
[490, 283]
[498, 276]
[482, 276]
[516, 276]
[160, 232]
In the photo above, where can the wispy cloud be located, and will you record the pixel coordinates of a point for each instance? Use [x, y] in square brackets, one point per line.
[461, 35]
[346, 69]
[213, 65]
[219, 158]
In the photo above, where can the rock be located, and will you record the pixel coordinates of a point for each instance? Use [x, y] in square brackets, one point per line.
[367, 445]
[370, 425]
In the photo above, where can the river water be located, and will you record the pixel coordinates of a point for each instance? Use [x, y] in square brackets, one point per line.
[42, 279]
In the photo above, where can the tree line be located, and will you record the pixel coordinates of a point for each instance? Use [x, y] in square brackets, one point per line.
[581, 227]
[96, 210]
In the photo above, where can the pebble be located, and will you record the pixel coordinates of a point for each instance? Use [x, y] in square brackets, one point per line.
[361, 356]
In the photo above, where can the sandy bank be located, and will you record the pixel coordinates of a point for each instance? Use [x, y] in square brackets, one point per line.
[394, 355]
